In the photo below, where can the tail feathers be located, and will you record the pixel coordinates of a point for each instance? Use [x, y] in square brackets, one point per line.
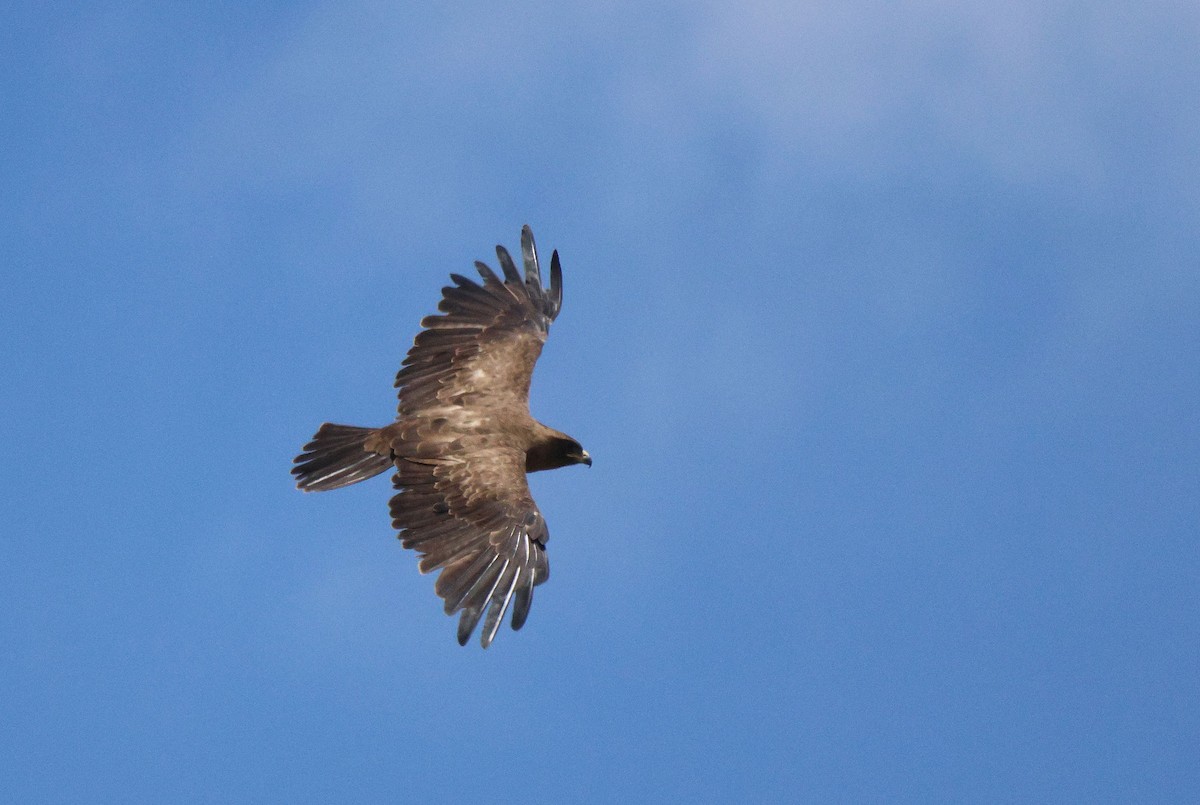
[338, 456]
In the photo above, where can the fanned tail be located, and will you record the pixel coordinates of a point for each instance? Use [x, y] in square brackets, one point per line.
[338, 456]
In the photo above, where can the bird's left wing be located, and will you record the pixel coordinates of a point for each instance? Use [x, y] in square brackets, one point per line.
[479, 352]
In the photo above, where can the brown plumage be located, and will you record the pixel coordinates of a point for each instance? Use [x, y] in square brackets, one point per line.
[463, 441]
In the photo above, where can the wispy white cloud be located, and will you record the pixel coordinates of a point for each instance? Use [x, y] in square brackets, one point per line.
[1023, 91]
[1022, 88]
[647, 124]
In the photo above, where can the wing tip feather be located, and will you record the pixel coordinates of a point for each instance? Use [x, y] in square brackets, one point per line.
[555, 285]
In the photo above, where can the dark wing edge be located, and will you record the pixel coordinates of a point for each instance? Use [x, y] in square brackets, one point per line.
[491, 555]
[550, 299]
[514, 566]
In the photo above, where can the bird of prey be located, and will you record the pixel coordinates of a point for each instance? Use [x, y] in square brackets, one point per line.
[463, 441]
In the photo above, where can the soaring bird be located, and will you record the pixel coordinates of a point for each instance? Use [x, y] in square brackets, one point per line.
[463, 441]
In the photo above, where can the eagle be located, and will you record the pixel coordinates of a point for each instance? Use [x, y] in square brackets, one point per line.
[463, 442]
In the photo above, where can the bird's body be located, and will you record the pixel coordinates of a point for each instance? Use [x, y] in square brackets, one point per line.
[463, 441]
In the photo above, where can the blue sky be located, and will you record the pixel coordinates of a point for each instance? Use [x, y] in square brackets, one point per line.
[881, 324]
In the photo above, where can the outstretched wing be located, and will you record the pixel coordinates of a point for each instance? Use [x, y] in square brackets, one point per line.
[480, 352]
[461, 436]
[474, 519]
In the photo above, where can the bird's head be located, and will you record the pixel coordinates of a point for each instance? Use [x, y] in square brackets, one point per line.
[559, 450]
[578, 454]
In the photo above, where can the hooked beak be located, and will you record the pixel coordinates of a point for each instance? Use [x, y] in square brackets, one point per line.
[584, 458]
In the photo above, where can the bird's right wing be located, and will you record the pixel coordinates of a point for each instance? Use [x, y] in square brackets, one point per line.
[469, 513]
